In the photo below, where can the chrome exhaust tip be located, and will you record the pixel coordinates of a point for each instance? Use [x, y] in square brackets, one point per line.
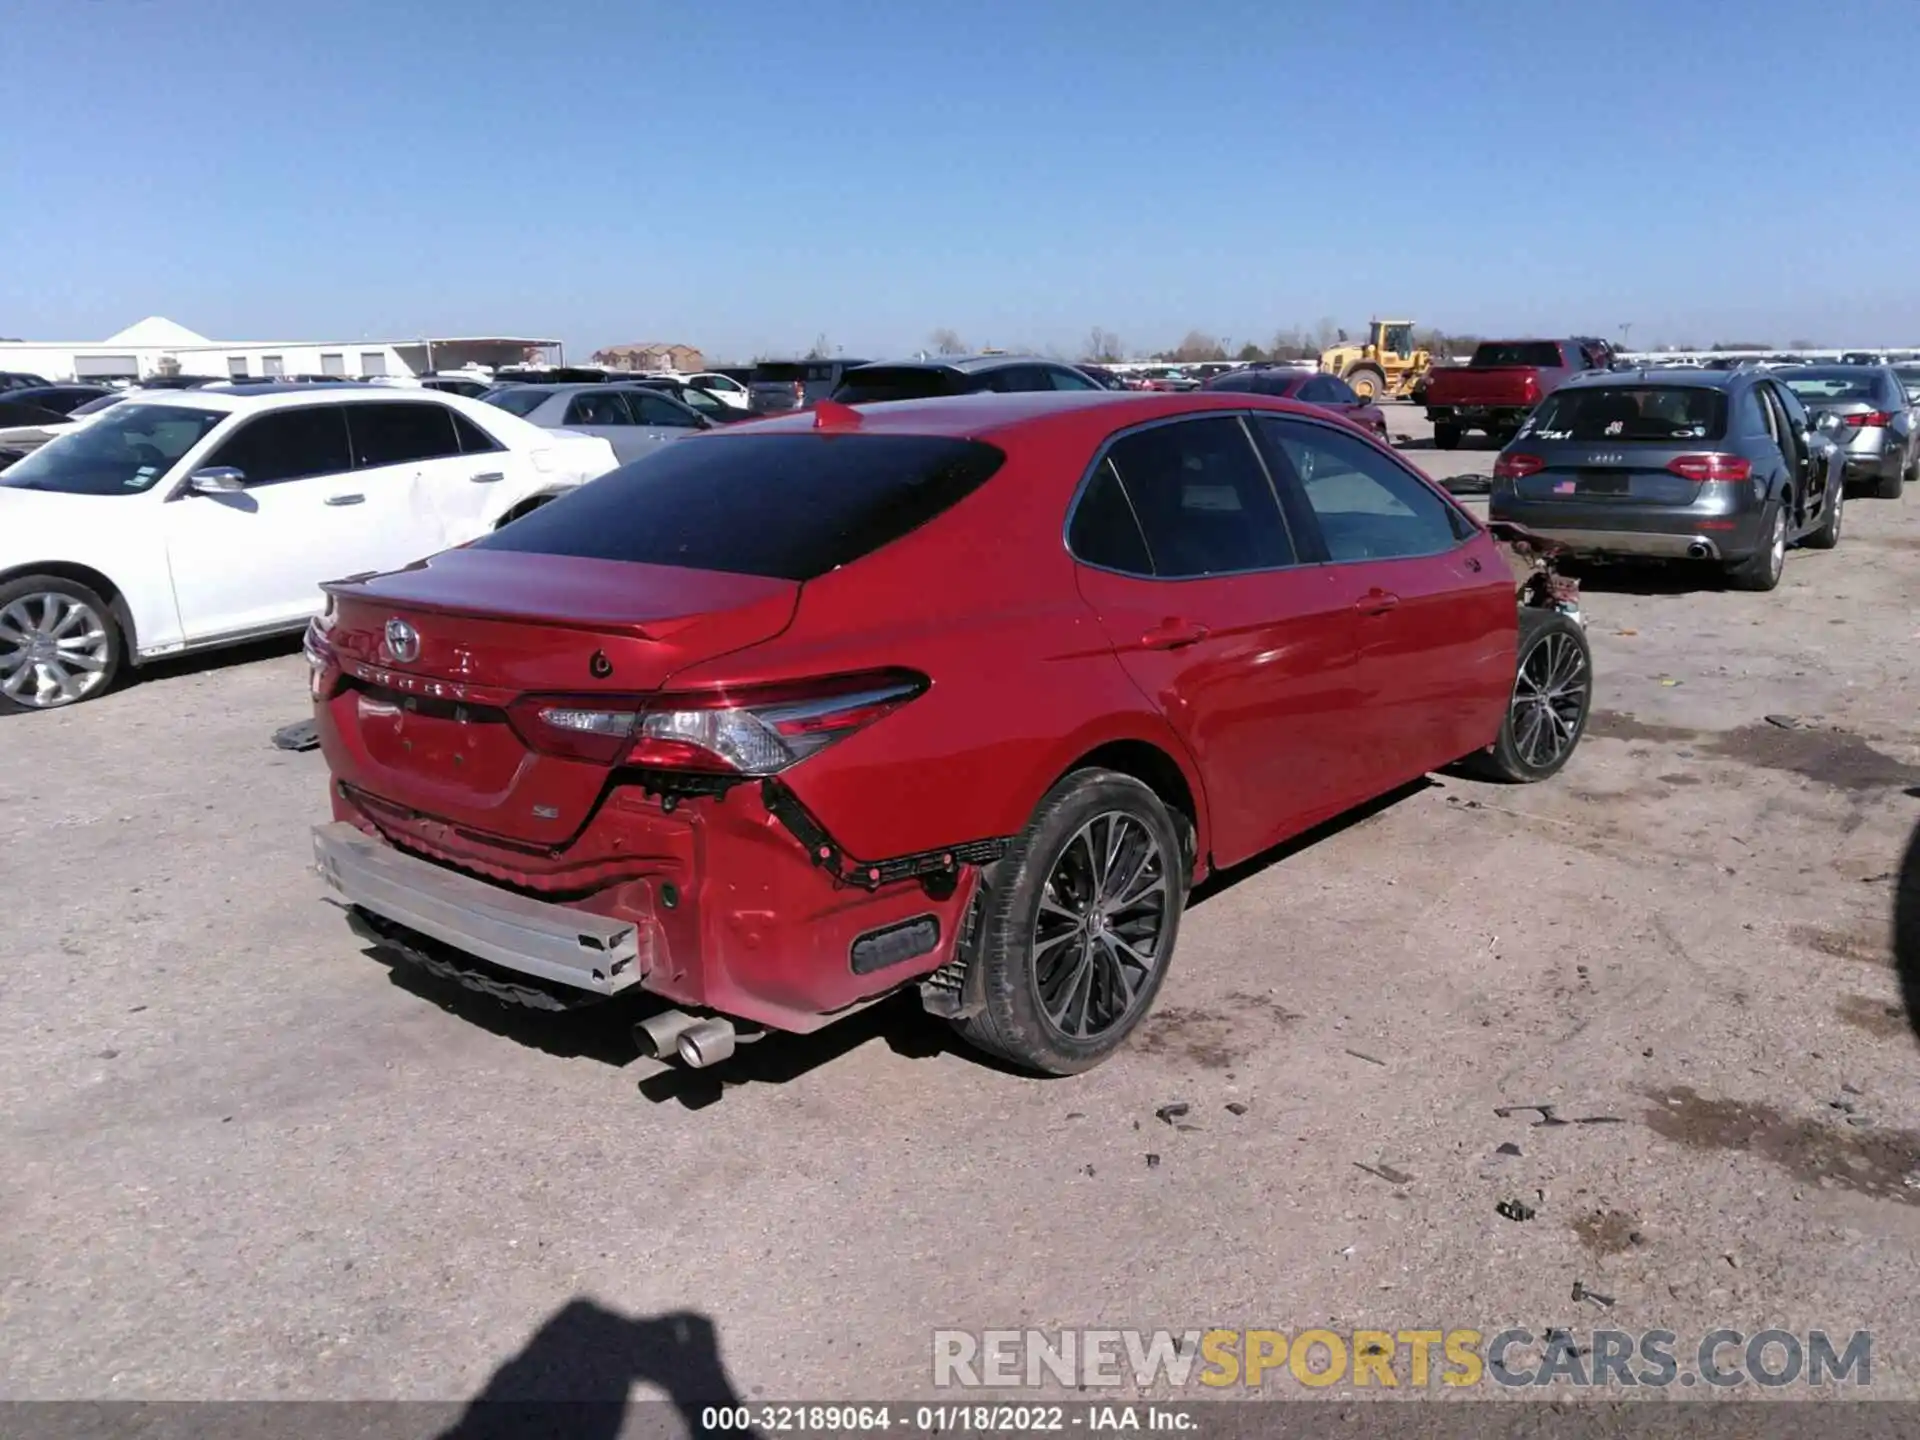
[1700, 550]
[706, 1042]
[658, 1035]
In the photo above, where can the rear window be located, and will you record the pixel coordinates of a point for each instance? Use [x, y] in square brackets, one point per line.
[1630, 412]
[1255, 383]
[1517, 352]
[895, 382]
[816, 502]
[1835, 385]
[516, 399]
[777, 373]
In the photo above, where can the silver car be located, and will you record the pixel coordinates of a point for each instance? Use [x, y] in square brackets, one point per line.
[633, 420]
[1875, 415]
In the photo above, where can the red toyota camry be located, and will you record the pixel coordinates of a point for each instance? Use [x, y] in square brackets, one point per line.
[962, 693]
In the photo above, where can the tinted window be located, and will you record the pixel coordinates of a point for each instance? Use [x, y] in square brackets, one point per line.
[286, 445]
[1062, 378]
[1314, 391]
[1202, 498]
[696, 398]
[1516, 352]
[1104, 531]
[1338, 391]
[518, 400]
[394, 434]
[1630, 412]
[120, 453]
[1796, 413]
[659, 410]
[1367, 507]
[874, 383]
[27, 412]
[473, 440]
[597, 407]
[1836, 384]
[817, 502]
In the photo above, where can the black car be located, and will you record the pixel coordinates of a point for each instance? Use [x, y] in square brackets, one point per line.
[1103, 377]
[779, 385]
[1725, 466]
[924, 379]
[61, 399]
[22, 379]
[16, 412]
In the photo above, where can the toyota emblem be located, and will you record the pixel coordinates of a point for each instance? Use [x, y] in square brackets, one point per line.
[403, 641]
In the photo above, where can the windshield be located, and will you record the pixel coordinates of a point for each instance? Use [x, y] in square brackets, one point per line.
[1636, 412]
[121, 453]
[872, 383]
[1517, 352]
[1853, 383]
[521, 400]
[1910, 380]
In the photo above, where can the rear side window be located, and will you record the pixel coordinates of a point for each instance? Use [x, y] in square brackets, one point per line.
[1104, 531]
[1630, 412]
[473, 440]
[287, 445]
[661, 411]
[396, 434]
[817, 502]
[1516, 352]
[1202, 498]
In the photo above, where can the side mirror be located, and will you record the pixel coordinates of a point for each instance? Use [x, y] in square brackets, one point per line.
[217, 480]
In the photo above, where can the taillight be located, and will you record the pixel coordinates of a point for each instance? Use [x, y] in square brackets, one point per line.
[1712, 467]
[758, 731]
[1871, 420]
[319, 651]
[1518, 466]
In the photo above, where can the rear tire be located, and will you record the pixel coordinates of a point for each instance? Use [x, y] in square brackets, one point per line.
[59, 644]
[1547, 711]
[1890, 486]
[1762, 570]
[1446, 437]
[1060, 949]
[1828, 535]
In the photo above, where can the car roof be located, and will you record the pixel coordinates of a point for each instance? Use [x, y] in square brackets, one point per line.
[1831, 372]
[1655, 375]
[988, 413]
[247, 398]
[963, 364]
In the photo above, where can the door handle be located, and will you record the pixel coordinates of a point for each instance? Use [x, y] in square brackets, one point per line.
[1376, 602]
[488, 477]
[345, 499]
[1171, 634]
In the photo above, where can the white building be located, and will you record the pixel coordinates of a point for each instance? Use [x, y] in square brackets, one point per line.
[157, 346]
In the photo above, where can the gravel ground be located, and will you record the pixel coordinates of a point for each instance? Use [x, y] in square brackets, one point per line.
[242, 1158]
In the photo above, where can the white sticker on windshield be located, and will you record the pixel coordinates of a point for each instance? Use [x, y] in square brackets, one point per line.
[1556, 435]
[1614, 427]
[1690, 432]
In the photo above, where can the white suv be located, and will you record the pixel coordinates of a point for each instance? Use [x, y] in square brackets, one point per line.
[185, 519]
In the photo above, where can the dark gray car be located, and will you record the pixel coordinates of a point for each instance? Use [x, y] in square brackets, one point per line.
[1717, 465]
[1876, 419]
[958, 375]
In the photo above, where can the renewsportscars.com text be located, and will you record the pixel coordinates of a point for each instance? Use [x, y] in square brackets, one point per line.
[1396, 1359]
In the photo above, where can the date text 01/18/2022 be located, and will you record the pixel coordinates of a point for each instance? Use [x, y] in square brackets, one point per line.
[943, 1419]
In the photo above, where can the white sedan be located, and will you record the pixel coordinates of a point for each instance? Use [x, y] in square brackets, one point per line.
[182, 520]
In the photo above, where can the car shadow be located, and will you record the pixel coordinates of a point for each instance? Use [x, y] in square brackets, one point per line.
[1225, 879]
[575, 1377]
[202, 662]
[1677, 577]
[1906, 925]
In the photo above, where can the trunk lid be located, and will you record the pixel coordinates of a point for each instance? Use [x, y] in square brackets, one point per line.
[1620, 473]
[435, 655]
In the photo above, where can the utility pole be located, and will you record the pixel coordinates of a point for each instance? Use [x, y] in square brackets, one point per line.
[1626, 334]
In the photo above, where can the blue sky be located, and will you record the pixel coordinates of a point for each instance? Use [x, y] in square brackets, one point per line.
[745, 176]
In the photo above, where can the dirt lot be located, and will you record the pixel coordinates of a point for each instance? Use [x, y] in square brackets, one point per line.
[240, 1157]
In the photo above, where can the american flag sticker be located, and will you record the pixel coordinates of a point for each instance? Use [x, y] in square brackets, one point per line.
[1564, 487]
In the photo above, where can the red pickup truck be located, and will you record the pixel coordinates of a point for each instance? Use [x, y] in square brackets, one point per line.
[1500, 385]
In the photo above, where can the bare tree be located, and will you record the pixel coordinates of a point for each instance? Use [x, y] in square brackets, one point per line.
[1103, 345]
[1802, 344]
[1326, 333]
[1199, 346]
[946, 342]
[1251, 353]
[1289, 344]
[822, 348]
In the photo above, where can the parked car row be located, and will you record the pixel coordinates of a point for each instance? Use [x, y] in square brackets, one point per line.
[1729, 467]
[179, 520]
